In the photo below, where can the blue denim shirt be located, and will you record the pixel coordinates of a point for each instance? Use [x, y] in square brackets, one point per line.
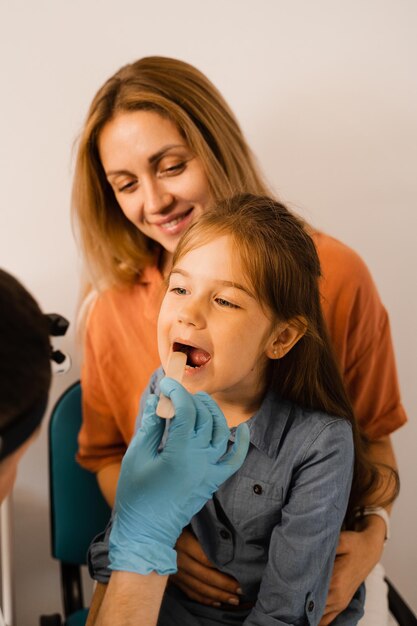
[275, 524]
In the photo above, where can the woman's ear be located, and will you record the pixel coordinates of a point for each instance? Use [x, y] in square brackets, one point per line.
[285, 336]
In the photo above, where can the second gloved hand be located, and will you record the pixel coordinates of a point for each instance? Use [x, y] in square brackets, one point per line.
[159, 492]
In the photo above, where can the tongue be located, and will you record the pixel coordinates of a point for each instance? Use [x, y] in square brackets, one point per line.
[197, 357]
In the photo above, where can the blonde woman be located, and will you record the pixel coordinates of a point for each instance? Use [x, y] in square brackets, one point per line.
[158, 147]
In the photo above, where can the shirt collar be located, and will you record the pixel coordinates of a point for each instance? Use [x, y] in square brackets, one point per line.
[267, 425]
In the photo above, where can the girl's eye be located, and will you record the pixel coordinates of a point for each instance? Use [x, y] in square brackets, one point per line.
[225, 303]
[180, 291]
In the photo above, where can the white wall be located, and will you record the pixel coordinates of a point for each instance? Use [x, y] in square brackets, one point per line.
[327, 94]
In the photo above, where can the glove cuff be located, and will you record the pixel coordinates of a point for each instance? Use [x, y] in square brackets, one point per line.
[140, 557]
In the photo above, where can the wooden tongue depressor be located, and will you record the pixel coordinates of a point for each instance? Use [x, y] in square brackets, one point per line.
[175, 369]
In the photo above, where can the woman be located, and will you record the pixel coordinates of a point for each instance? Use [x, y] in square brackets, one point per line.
[159, 145]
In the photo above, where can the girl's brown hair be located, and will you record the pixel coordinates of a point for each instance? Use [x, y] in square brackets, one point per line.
[115, 250]
[282, 266]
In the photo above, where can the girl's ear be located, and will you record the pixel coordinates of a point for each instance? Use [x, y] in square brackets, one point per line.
[285, 336]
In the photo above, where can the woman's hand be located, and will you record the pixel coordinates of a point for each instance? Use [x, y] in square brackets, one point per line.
[356, 556]
[198, 578]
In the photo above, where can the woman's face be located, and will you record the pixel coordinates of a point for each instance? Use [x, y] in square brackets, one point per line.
[159, 183]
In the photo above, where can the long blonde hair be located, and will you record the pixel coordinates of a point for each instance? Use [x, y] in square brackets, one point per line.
[115, 251]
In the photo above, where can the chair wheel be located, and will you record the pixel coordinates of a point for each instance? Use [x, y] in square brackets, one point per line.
[50, 620]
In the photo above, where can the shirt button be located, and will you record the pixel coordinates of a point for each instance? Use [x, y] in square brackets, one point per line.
[310, 606]
[224, 534]
[257, 489]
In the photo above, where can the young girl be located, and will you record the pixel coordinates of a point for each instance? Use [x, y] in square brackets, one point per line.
[243, 303]
[160, 145]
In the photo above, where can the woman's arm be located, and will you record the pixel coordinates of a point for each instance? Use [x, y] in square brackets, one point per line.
[360, 332]
[107, 479]
[101, 444]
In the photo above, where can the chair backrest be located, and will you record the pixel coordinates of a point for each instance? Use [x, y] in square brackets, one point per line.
[78, 509]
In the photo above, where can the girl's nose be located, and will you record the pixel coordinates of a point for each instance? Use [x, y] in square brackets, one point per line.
[191, 314]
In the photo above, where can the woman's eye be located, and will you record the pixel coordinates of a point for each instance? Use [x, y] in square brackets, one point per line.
[225, 303]
[127, 187]
[174, 169]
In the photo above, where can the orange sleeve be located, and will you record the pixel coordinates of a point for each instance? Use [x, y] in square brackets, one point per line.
[100, 440]
[120, 355]
[360, 331]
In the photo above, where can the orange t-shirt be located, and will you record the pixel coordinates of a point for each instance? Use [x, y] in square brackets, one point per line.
[121, 353]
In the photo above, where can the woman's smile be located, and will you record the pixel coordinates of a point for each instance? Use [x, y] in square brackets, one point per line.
[159, 183]
[175, 224]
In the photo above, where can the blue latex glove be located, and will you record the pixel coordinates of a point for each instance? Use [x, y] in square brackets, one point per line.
[159, 492]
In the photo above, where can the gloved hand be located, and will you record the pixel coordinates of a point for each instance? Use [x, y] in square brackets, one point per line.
[159, 492]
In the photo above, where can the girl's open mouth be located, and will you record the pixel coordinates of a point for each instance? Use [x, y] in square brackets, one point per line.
[196, 357]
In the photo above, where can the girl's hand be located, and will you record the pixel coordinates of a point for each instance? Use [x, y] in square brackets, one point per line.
[198, 578]
[356, 556]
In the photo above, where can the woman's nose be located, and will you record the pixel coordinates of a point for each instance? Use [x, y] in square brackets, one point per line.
[156, 198]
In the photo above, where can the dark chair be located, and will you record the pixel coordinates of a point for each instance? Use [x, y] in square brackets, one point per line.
[399, 608]
[78, 509]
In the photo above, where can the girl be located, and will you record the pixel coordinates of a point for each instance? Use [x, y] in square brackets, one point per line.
[158, 146]
[243, 303]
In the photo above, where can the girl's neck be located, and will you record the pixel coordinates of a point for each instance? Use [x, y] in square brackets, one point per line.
[238, 412]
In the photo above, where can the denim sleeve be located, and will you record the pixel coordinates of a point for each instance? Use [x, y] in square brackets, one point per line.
[98, 556]
[303, 545]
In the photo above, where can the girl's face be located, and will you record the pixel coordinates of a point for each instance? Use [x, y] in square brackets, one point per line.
[209, 312]
[160, 185]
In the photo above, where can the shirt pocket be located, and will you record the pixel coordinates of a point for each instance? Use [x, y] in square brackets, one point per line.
[256, 508]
